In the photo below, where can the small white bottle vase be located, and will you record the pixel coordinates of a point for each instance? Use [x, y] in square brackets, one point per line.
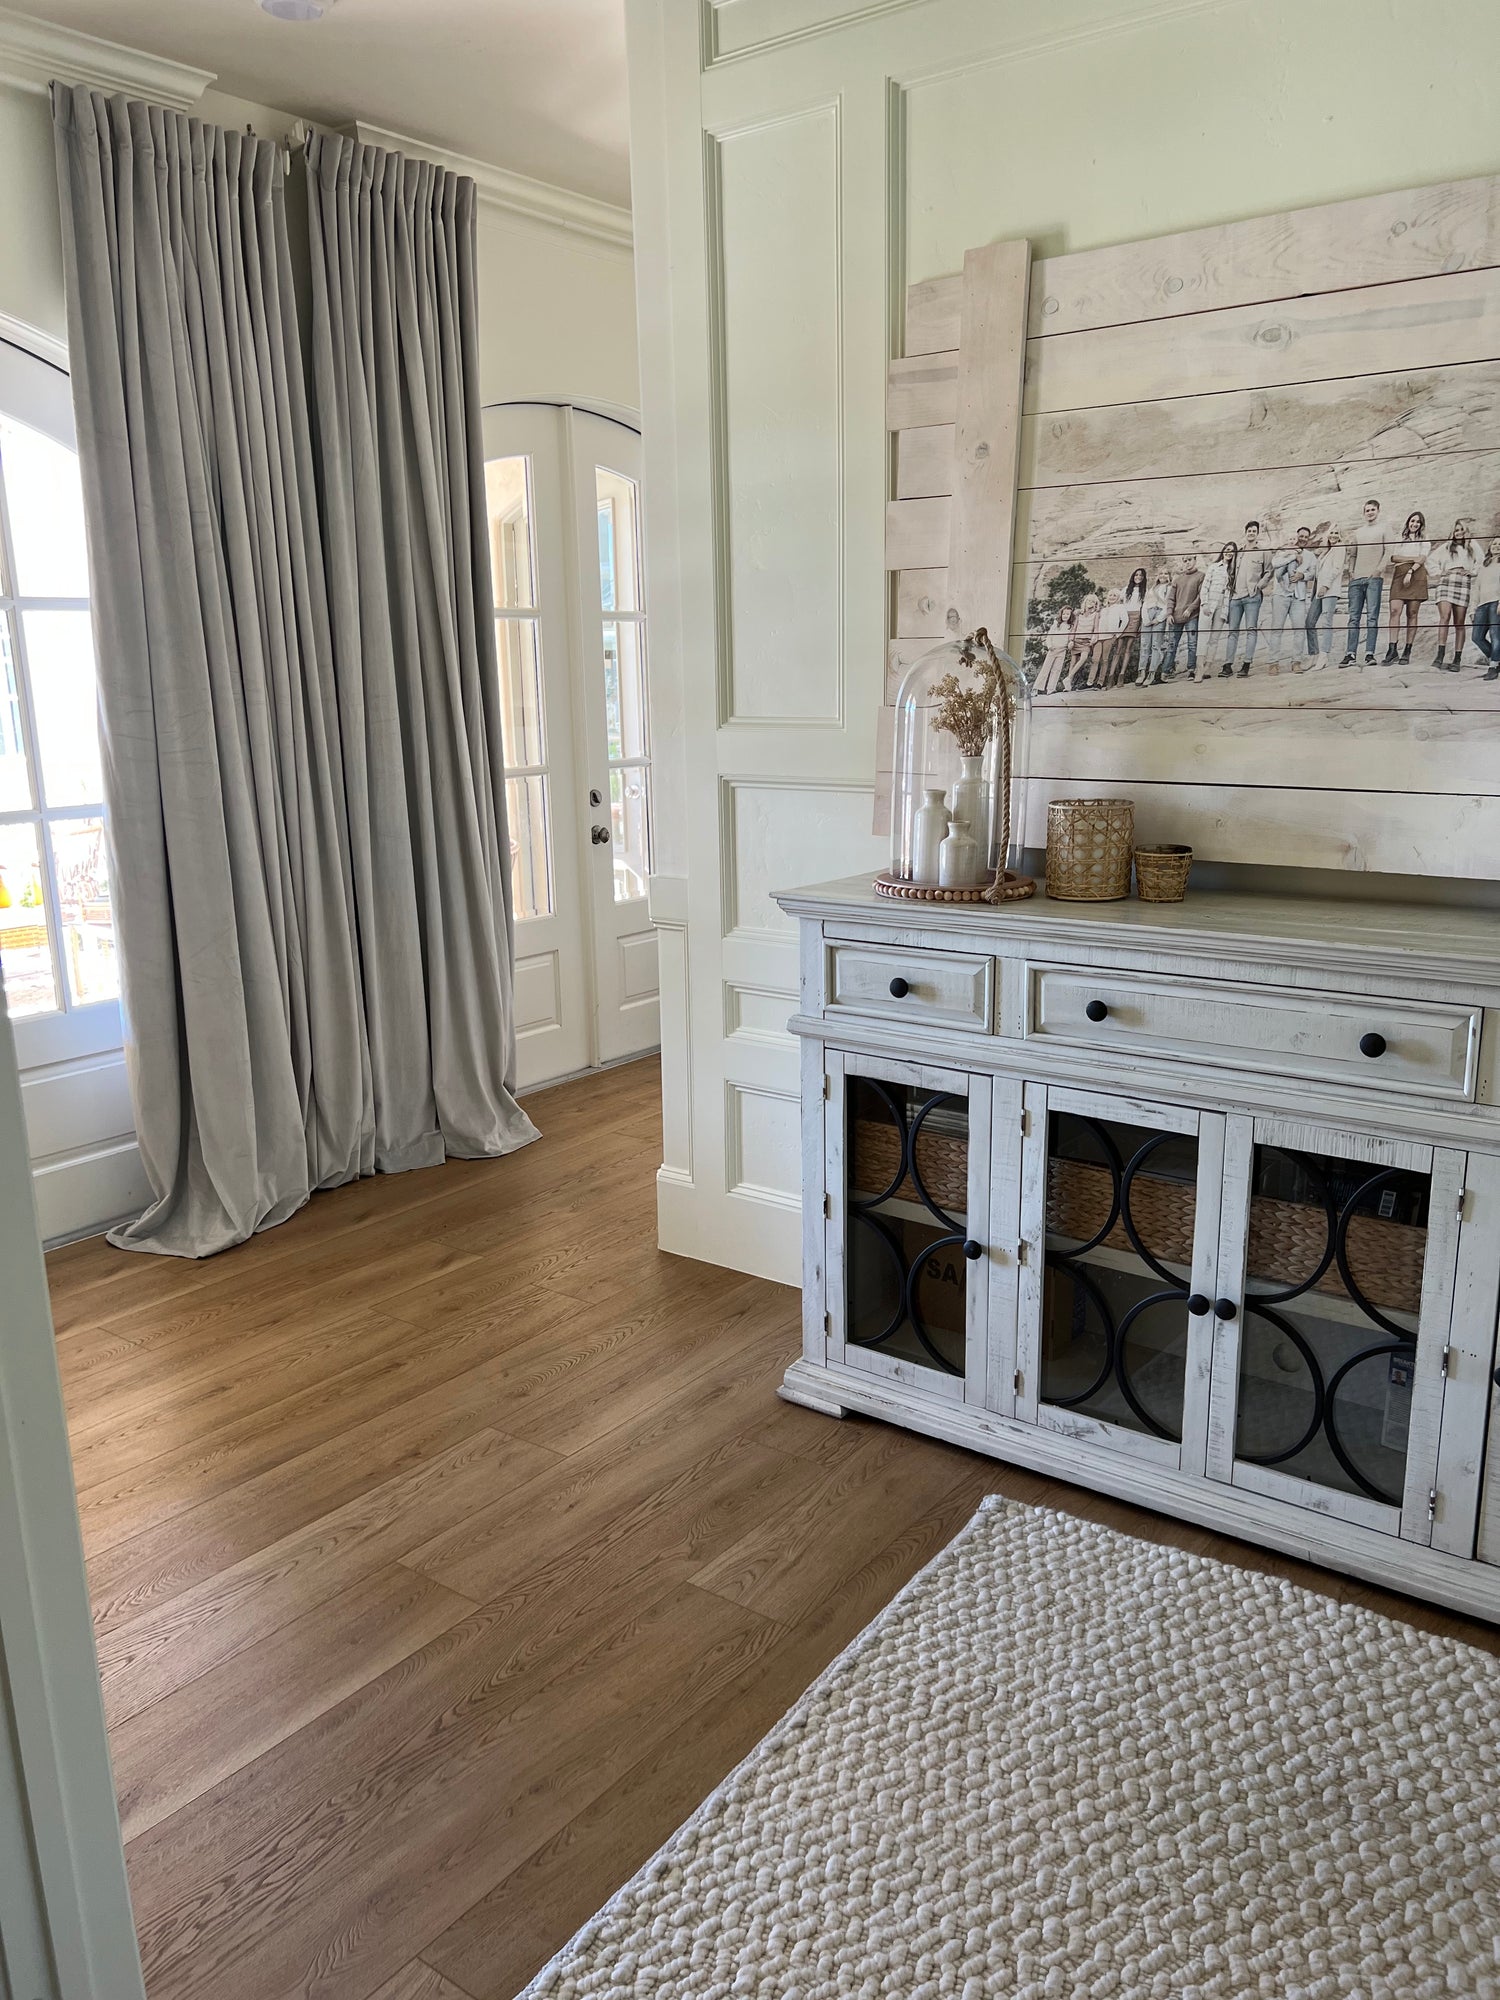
[929, 824]
[958, 858]
[968, 803]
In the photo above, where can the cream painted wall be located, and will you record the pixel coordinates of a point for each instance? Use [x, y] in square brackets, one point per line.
[796, 164]
[1208, 113]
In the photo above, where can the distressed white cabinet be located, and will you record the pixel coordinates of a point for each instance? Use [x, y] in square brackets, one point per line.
[1197, 1204]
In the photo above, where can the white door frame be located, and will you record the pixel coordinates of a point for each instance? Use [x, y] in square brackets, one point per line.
[64, 1902]
[625, 992]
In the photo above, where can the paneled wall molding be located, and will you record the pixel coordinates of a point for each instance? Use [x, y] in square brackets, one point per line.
[516, 194]
[733, 28]
[33, 53]
[779, 494]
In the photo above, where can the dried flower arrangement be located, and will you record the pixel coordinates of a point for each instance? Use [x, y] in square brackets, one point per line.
[970, 715]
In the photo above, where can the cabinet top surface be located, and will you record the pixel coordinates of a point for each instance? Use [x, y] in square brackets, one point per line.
[1289, 926]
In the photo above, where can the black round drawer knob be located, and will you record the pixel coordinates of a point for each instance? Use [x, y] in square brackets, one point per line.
[899, 989]
[1225, 1309]
[1372, 1045]
[1198, 1304]
[973, 1250]
[1096, 1010]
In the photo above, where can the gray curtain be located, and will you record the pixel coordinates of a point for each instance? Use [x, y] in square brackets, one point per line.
[265, 958]
[401, 465]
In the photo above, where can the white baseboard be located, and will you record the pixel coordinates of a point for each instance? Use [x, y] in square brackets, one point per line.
[761, 1236]
[88, 1193]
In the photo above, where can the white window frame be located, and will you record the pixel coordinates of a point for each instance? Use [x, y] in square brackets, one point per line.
[34, 390]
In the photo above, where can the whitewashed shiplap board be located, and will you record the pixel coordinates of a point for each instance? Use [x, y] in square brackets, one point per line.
[1283, 368]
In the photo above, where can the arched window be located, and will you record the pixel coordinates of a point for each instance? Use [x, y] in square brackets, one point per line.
[57, 945]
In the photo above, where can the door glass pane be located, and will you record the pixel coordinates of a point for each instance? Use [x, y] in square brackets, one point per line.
[60, 655]
[906, 1198]
[625, 689]
[521, 690]
[45, 501]
[25, 954]
[619, 560]
[1333, 1287]
[630, 819]
[88, 931]
[15, 780]
[507, 489]
[1121, 1207]
[530, 857]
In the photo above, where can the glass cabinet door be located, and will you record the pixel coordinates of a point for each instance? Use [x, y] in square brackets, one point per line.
[1123, 1200]
[1328, 1378]
[908, 1226]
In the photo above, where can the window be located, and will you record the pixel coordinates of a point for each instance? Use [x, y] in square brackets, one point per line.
[57, 943]
[624, 682]
[507, 484]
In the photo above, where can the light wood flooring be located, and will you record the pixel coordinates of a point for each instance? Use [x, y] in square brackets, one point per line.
[449, 1543]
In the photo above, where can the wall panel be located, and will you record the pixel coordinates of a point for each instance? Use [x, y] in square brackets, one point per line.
[779, 421]
[763, 214]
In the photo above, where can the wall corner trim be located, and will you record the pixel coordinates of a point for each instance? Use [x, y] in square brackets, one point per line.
[33, 53]
[538, 201]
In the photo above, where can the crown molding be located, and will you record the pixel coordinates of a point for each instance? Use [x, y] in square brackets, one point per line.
[537, 201]
[33, 53]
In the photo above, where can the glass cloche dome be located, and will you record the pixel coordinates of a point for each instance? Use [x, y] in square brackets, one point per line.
[956, 820]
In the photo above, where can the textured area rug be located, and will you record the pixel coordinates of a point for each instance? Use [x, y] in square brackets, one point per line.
[1064, 1762]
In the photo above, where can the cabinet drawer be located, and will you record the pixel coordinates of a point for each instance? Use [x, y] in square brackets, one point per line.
[1409, 1046]
[944, 989]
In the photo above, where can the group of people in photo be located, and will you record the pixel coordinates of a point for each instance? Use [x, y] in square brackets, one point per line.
[1295, 607]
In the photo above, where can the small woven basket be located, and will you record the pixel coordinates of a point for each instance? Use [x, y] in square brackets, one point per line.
[1161, 873]
[1088, 849]
[1287, 1238]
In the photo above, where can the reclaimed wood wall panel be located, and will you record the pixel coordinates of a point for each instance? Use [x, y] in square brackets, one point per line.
[1285, 370]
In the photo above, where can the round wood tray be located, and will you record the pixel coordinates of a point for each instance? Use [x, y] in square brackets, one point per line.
[1003, 888]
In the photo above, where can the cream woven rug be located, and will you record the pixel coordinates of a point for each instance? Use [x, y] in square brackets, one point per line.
[1063, 1763]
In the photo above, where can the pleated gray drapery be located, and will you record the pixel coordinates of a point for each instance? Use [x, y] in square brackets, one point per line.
[298, 703]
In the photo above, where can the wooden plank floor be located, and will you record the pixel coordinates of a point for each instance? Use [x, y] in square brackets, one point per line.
[449, 1543]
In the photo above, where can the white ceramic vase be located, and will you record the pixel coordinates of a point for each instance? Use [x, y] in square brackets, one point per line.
[958, 858]
[929, 825]
[968, 801]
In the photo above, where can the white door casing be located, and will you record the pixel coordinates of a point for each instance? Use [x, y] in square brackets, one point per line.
[65, 1924]
[612, 719]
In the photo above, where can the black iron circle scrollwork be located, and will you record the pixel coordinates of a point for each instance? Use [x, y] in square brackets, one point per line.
[905, 1269]
[1318, 1415]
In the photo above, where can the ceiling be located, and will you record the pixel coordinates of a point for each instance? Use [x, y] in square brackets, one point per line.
[537, 86]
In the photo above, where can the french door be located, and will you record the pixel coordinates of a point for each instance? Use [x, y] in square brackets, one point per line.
[563, 499]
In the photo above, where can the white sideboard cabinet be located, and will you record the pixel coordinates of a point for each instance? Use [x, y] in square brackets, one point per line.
[1197, 1204]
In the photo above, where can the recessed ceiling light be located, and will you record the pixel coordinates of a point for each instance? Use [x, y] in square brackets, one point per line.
[297, 10]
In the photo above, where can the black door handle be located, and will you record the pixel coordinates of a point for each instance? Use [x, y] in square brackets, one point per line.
[1096, 1010]
[1225, 1309]
[973, 1250]
[1372, 1045]
[599, 835]
[1197, 1304]
[899, 988]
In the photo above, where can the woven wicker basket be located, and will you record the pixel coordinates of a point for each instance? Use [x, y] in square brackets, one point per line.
[942, 1161]
[1088, 849]
[1286, 1237]
[1161, 873]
